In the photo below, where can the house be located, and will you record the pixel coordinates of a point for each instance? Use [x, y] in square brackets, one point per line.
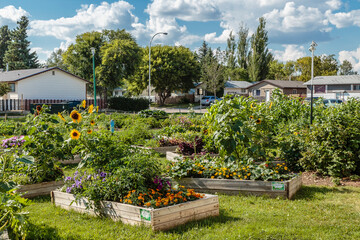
[43, 83]
[335, 87]
[237, 88]
[262, 90]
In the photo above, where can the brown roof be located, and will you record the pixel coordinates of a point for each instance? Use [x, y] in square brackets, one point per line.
[282, 83]
[17, 75]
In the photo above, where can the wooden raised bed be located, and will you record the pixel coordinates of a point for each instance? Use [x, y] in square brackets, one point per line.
[76, 160]
[284, 189]
[158, 219]
[39, 189]
[172, 156]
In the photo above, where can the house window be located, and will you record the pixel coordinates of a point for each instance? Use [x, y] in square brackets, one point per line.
[319, 88]
[357, 87]
[243, 90]
[53, 73]
[256, 92]
[294, 91]
[12, 87]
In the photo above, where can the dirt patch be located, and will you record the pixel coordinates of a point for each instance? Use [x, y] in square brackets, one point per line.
[312, 178]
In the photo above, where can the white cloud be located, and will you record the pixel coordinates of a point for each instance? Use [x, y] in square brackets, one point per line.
[351, 56]
[88, 18]
[334, 4]
[212, 38]
[9, 15]
[296, 18]
[291, 53]
[187, 10]
[344, 19]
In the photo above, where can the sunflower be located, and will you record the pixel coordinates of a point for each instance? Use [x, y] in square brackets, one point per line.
[251, 117]
[270, 105]
[38, 108]
[75, 134]
[92, 122]
[61, 117]
[89, 131]
[258, 121]
[91, 108]
[97, 108]
[75, 116]
[83, 104]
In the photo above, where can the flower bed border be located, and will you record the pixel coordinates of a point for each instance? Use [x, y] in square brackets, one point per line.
[158, 219]
[247, 187]
[171, 156]
[76, 160]
[39, 189]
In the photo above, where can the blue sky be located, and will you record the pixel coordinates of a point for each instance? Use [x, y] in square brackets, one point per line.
[292, 25]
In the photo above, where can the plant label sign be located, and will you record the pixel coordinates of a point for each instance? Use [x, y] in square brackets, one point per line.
[112, 125]
[145, 214]
[277, 186]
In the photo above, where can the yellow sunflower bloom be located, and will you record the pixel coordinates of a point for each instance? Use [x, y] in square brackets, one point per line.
[251, 117]
[75, 116]
[91, 108]
[92, 122]
[258, 121]
[75, 134]
[271, 104]
[83, 103]
[89, 131]
[61, 117]
[97, 108]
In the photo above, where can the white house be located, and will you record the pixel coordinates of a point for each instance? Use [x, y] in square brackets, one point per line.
[44, 83]
[335, 87]
[237, 88]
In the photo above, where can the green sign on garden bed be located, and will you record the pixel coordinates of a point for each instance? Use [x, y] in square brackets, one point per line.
[145, 214]
[277, 186]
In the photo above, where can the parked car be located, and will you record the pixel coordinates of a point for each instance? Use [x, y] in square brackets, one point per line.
[332, 102]
[208, 100]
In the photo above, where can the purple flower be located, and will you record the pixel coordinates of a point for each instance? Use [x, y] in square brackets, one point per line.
[68, 179]
[88, 177]
[103, 174]
[68, 190]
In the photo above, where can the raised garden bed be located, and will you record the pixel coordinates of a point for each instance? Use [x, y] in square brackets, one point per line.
[158, 219]
[172, 156]
[39, 189]
[76, 160]
[284, 189]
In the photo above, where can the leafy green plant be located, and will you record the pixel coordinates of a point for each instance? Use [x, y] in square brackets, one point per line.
[128, 104]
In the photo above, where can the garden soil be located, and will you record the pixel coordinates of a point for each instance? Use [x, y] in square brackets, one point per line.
[311, 178]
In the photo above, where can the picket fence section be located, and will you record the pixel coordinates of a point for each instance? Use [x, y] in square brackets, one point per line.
[24, 104]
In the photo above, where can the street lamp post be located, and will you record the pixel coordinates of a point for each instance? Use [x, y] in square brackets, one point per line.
[164, 33]
[312, 49]
[93, 54]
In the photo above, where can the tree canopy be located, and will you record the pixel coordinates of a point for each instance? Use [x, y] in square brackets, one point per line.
[172, 69]
[117, 56]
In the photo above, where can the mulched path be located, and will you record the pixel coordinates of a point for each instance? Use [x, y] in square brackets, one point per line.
[311, 178]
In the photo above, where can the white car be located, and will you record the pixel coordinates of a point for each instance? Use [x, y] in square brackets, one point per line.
[208, 100]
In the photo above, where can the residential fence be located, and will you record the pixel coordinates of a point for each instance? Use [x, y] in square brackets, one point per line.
[24, 104]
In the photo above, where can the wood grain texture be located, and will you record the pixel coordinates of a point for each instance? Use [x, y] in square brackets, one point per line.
[39, 189]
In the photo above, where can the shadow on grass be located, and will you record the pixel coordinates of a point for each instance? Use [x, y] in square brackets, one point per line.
[222, 218]
[42, 232]
[316, 192]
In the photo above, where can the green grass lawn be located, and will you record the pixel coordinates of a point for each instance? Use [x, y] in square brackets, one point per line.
[315, 213]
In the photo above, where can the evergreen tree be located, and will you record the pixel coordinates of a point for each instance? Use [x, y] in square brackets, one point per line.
[259, 57]
[243, 47]
[4, 43]
[18, 54]
[230, 58]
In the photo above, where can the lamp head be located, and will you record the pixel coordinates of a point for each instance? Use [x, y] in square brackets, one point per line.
[92, 51]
